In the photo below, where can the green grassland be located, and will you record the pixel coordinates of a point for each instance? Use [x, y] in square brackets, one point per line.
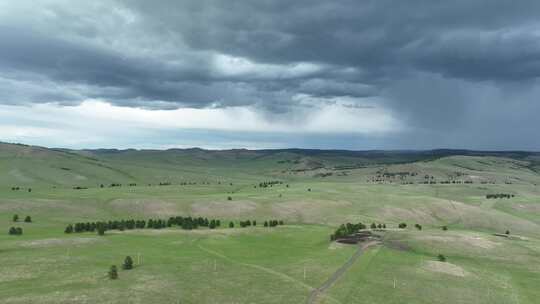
[319, 191]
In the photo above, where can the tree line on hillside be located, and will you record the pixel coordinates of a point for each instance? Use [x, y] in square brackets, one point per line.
[113, 185]
[187, 223]
[268, 223]
[499, 195]
[267, 184]
[17, 188]
[348, 229]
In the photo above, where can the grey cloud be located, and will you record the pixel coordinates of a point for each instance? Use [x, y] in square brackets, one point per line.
[437, 66]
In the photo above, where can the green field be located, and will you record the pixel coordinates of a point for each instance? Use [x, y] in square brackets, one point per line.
[284, 264]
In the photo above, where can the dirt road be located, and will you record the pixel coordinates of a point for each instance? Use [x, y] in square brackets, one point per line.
[332, 279]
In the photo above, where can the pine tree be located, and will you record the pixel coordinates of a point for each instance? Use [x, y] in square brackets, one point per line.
[101, 229]
[128, 263]
[113, 273]
[69, 229]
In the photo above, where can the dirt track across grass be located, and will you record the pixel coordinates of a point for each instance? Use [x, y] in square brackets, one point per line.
[315, 293]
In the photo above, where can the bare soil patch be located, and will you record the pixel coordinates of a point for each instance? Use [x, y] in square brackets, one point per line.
[58, 242]
[468, 240]
[445, 267]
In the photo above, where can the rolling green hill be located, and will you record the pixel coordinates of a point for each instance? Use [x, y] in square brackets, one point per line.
[315, 193]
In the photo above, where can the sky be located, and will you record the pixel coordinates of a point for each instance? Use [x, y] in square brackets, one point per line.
[348, 74]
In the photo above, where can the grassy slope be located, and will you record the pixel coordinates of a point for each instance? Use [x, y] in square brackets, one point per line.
[257, 264]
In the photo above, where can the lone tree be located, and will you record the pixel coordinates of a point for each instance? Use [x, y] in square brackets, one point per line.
[16, 218]
[128, 263]
[113, 273]
[441, 258]
[229, 198]
[402, 225]
[28, 219]
[507, 232]
[231, 225]
[444, 228]
[418, 226]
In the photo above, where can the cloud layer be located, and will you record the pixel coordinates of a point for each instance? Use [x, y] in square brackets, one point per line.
[458, 74]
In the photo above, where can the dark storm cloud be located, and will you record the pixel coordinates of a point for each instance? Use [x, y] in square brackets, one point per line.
[430, 63]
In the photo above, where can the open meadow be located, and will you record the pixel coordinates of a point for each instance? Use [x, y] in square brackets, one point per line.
[467, 246]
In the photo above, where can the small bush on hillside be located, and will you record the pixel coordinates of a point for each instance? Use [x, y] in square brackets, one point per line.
[113, 273]
[402, 225]
[229, 198]
[231, 225]
[128, 263]
[444, 228]
[418, 226]
[441, 258]
[15, 218]
[28, 219]
[507, 232]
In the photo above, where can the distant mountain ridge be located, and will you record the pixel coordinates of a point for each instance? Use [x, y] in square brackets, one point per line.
[39, 166]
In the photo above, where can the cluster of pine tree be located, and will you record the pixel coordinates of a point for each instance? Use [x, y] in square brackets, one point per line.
[15, 231]
[27, 219]
[248, 223]
[499, 195]
[269, 184]
[183, 222]
[378, 226]
[345, 230]
[273, 223]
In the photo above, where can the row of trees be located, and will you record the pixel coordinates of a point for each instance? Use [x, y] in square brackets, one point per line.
[269, 184]
[273, 223]
[27, 219]
[19, 188]
[345, 230]
[499, 195]
[187, 223]
[248, 223]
